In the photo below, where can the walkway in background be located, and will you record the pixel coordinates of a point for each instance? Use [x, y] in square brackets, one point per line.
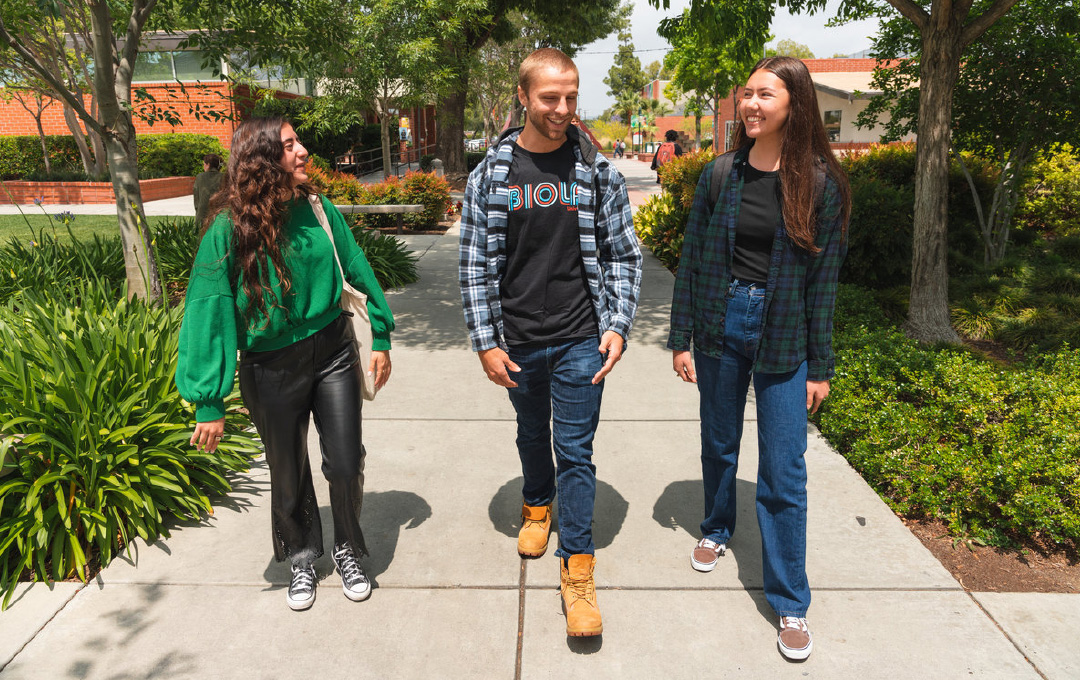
[453, 599]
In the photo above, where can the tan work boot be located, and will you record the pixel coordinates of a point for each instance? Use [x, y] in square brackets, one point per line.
[535, 527]
[579, 596]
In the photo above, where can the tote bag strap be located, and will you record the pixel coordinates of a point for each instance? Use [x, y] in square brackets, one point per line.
[317, 208]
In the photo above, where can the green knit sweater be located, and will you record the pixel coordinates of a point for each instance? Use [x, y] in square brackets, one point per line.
[213, 328]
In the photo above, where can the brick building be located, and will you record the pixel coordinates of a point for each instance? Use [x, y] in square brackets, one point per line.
[176, 80]
[843, 91]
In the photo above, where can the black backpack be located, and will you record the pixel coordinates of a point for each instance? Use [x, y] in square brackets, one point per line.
[722, 172]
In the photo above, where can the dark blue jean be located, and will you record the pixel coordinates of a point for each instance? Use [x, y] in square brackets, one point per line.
[781, 484]
[555, 396]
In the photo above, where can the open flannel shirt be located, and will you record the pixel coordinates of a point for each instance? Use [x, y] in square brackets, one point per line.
[800, 293]
[609, 248]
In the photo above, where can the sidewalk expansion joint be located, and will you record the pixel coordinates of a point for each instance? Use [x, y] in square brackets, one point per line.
[36, 632]
[1006, 634]
[521, 619]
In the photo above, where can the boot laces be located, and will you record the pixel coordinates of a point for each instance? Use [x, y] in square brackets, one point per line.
[347, 564]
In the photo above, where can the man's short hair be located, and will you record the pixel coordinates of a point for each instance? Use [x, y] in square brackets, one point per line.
[540, 59]
[671, 135]
[212, 160]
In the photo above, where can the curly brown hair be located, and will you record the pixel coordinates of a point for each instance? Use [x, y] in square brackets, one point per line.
[804, 146]
[256, 191]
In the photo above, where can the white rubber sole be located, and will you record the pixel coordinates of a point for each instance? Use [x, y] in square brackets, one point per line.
[300, 605]
[703, 566]
[355, 596]
[796, 654]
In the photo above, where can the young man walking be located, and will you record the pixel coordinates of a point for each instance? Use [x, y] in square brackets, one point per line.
[550, 273]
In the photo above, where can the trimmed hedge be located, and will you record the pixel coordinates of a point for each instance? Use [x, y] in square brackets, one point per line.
[414, 187]
[171, 155]
[993, 451]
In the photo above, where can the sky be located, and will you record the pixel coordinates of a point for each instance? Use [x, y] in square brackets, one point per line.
[595, 59]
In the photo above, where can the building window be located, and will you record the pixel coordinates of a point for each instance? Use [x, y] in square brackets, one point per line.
[729, 134]
[832, 125]
[156, 67]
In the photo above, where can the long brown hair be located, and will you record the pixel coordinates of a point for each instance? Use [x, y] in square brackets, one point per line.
[805, 144]
[256, 191]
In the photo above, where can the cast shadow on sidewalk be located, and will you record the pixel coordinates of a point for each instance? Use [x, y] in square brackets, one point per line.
[681, 506]
[384, 515]
[608, 514]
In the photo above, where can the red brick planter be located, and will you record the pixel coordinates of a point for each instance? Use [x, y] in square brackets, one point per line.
[91, 192]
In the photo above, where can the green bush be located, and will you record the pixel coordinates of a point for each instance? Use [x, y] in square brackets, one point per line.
[20, 156]
[393, 262]
[430, 190]
[64, 267]
[176, 239]
[473, 159]
[171, 155]
[1030, 301]
[175, 155]
[1051, 200]
[680, 175]
[93, 439]
[660, 224]
[416, 187]
[881, 229]
[942, 433]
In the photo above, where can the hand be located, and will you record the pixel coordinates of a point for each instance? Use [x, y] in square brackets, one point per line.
[379, 367]
[611, 343]
[683, 363]
[816, 391]
[208, 435]
[496, 363]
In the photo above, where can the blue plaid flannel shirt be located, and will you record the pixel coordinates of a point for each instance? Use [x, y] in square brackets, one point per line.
[609, 248]
[800, 293]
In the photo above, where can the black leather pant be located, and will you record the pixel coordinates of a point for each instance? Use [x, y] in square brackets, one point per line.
[282, 388]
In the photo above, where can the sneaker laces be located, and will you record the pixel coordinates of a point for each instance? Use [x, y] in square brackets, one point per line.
[348, 565]
[303, 578]
[793, 622]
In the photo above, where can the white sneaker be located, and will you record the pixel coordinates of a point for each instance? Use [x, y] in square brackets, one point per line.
[795, 640]
[353, 581]
[301, 593]
[706, 553]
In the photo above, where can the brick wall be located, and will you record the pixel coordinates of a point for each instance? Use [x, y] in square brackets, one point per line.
[92, 192]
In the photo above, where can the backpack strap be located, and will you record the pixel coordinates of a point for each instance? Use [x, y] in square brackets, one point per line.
[720, 174]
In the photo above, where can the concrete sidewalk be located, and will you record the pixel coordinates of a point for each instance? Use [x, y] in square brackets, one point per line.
[453, 599]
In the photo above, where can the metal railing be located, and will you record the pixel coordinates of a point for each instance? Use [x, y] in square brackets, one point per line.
[367, 162]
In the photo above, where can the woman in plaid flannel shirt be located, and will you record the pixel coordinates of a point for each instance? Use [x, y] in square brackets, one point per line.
[754, 297]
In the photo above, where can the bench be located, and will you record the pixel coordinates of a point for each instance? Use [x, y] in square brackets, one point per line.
[385, 209]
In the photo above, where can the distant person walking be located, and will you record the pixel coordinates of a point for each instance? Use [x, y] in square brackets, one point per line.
[267, 281]
[668, 150]
[755, 294]
[550, 272]
[206, 184]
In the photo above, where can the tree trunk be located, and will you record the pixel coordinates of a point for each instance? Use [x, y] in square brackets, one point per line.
[450, 145]
[928, 314]
[139, 264]
[72, 120]
[384, 123]
[41, 137]
[697, 131]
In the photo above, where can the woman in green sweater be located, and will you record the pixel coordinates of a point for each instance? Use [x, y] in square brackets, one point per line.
[265, 283]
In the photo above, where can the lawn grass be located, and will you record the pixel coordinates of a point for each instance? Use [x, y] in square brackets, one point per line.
[83, 227]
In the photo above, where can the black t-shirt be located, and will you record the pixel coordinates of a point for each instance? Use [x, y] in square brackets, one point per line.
[544, 291]
[759, 215]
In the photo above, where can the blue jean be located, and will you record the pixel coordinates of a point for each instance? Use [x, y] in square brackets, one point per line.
[781, 484]
[555, 388]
